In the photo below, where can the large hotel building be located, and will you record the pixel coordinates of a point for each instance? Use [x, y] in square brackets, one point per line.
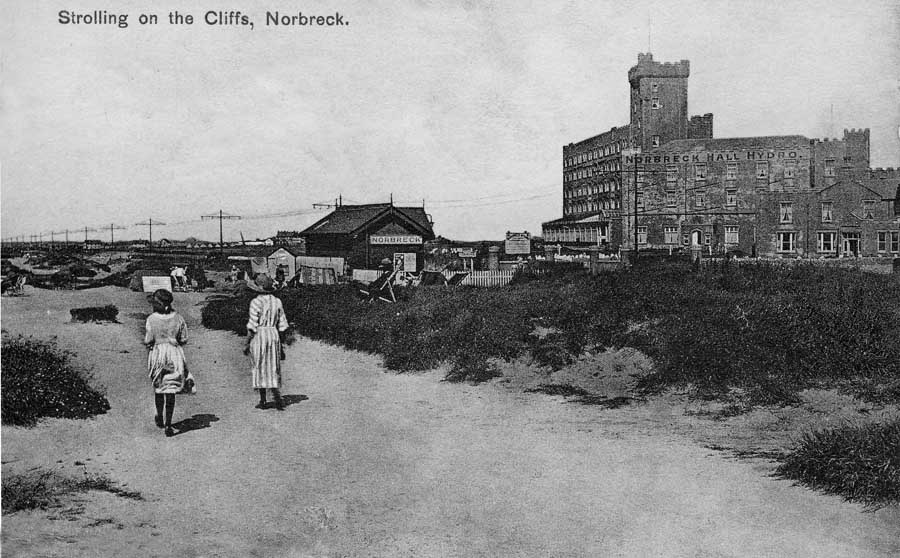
[665, 181]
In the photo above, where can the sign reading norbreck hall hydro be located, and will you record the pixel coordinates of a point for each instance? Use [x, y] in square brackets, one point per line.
[712, 156]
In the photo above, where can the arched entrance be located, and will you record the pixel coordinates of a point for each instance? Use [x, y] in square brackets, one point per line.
[696, 238]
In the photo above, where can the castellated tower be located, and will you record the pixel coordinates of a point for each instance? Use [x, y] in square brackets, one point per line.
[659, 101]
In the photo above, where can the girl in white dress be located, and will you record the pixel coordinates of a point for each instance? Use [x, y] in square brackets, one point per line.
[166, 332]
[265, 328]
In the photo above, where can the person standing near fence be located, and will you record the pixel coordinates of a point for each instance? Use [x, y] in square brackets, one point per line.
[265, 330]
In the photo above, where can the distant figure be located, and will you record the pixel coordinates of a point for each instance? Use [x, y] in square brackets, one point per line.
[234, 273]
[279, 277]
[265, 332]
[179, 276]
[166, 332]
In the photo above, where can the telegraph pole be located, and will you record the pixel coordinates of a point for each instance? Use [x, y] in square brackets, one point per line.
[112, 228]
[86, 230]
[148, 223]
[221, 216]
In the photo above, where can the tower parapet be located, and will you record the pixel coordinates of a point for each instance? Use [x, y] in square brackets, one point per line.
[648, 68]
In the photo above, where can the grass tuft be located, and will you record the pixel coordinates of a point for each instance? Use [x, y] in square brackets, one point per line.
[42, 488]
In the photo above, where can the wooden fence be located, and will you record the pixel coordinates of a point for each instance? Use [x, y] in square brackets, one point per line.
[485, 278]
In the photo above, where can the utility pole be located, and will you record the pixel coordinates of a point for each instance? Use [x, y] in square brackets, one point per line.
[635, 208]
[221, 216]
[149, 223]
[112, 228]
[86, 230]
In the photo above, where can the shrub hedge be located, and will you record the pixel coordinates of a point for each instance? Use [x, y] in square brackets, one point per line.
[39, 380]
[770, 330]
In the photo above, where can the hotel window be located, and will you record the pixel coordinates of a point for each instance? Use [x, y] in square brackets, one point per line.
[889, 241]
[827, 211]
[731, 171]
[731, 234]
[786, 241]
[642, 235]
[671, 173]
[827, 242]
[786, 213]
[671, 198]
[671, 234]
[700, 171]
[829, 167]
[700, 198]
[654, 103]
[730, 198]
[640, 200]
[685, 238]
[640, 177]
[707, 239]
[762, 169]
[868, 209]
[654, 141]
[654, 88]
[790, 169]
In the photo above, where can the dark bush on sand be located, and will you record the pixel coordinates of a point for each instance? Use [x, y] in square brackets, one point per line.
[39, 380]
[106, 313]
[861, 463]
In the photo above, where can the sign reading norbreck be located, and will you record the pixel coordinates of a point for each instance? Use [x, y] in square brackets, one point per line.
[395, 239]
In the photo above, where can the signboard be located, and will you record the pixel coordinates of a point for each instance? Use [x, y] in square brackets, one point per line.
[518, 243]
[395, 239]
[405, 261]
[466, 253]
[716, 156]
[154, 283]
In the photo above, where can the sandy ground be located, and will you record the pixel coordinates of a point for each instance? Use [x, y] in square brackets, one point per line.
[368, 463]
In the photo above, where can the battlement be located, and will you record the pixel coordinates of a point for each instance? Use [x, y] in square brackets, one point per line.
[700, 127]
[649, 68]
[889, 172]
[862, 132]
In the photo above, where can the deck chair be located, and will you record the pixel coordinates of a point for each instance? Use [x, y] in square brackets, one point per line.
[380, 287]
[457, 278]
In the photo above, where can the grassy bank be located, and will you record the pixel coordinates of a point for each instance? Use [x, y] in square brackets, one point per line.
[768, 331]
[751, 335]
[39, 380]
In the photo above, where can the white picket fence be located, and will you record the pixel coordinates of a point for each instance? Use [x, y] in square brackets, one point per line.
[485, 278]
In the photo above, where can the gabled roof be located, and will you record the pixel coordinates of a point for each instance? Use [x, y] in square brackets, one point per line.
[348, 219]
[860, 185]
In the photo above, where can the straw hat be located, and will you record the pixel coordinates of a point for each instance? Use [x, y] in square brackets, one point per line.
[262, 284]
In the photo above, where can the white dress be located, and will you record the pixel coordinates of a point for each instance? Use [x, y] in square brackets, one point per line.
[165, 363]
[267, 319]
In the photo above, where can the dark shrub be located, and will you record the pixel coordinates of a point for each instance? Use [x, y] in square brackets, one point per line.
[861, 463]
[106, 313]
[38, 381]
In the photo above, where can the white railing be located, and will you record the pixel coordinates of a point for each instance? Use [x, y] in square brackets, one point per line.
[485, 278]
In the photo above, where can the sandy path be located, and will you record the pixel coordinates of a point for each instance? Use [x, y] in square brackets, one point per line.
[376, 464]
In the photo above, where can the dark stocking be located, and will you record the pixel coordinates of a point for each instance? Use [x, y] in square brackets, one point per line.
[170, 406]
[159, 405]
[262, 398]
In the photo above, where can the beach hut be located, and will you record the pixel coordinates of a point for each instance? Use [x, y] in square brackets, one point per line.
[282, 257]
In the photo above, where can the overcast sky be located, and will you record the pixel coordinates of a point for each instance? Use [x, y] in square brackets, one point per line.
[463, 106]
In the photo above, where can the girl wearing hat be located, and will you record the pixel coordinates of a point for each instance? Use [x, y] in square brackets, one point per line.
[166, 333]
[265, 328]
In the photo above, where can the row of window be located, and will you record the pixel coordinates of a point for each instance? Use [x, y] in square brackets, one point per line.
[608, 166]
[603, 151]
[575, 208]
[826, 241]
[699, 198]
[786, 213]
[596, 234]
[731, 171]
[602, 188]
